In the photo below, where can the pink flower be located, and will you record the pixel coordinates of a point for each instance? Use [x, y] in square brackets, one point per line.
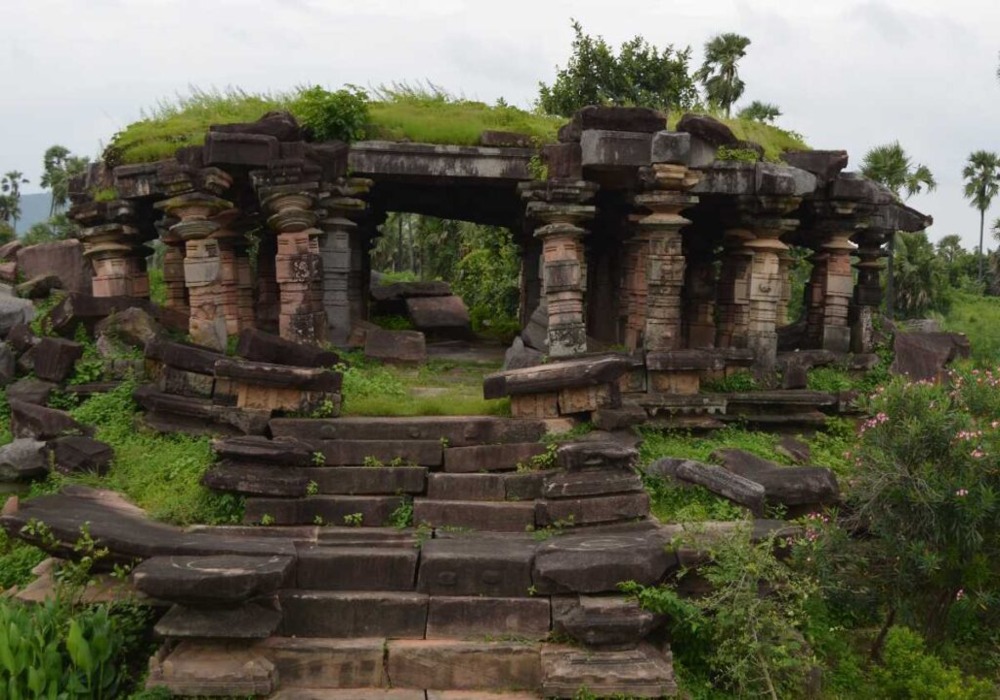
[962, 493]
[959, 594]
[977, 454]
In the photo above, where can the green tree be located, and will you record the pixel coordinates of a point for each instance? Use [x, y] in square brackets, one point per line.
[982, 180]
[959, 264]
[719, 74]
[758, 111]
[10, 206]
[59, 166]
[920, 275]
[639, 75]
[889, 165]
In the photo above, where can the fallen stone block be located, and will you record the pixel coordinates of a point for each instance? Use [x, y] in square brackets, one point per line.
[326, 663]
[8, 364]
[61, 259]
[787, 486]
[446, 314]
[464, 665]
[29, 420]
[132, 326]
[32, 391]
[258, 346]
[591, 482]
[731, 486]
[211, 668]
[593, 454]
[556, 376]
[23, 460]
[78, 454]
[38, 287]
[183, 356]
[290, 452]
[594, 510]
[14, 311]
[638, 673]
[404, 347]
[55, 358]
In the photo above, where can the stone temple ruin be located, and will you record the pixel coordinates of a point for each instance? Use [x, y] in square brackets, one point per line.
[648, 266]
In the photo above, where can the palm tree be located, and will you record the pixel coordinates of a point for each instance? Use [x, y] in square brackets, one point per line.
[60, 166]
[982, 180]
[718, 73]
[889, 165]
[10, 185]
[763, 112]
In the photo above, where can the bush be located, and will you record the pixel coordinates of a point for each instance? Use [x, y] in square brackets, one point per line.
[334, 116]
[908, 672]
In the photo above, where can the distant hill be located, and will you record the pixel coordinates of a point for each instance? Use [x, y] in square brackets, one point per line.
[34, 209]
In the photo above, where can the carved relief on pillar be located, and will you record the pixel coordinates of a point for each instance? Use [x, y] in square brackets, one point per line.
[111, 242]
[341, 254]
[785, 274]
[734, 289]
[297, 263]
[559, 206]
[202, 265]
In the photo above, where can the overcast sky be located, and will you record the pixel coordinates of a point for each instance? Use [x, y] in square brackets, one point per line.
[848, 74]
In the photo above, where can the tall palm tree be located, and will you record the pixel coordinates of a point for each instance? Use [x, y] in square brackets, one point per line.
[59, 167]
[718, 73]
[889, 165]
[982, 181]
[10, 185]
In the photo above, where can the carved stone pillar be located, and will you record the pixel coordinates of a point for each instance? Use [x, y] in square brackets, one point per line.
[867, 298]
[297, 263]
[111, 242]
[559, 206]
[341, 254]
[839, 289]
[734, 289]
[814, 298]
[202, 264]
[785, 274]
[173, 269]
[228, 237]
[635, 286]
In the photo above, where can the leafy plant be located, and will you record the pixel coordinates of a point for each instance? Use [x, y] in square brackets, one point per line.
[740, 155]
[737, 382]
[354, 519]
[402, 516]
[341, 115]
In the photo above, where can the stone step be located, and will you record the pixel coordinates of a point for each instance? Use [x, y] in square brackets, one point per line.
[356, 568]
[341, 536]
[354, 694]
[212, 668]
[368, 511]
[351, 614]
[459, 665]
[246, 622]
[473, 617]
[477, 566]
[475, 515]
[492, 458]
[466, 487]
[425, 453]
[316, 663]
[643, 672]
[456, 431]
[368, 480]
[594, 510]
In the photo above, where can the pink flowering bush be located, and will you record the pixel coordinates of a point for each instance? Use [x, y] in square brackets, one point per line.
[927, 493]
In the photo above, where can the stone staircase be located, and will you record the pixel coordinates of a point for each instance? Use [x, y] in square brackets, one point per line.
[465, 604]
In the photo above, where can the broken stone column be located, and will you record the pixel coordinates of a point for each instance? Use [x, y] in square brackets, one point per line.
[733, 290]
[112, 243]
[202, 264]
[867, 299]
[661, 230]
[560, 205]
[173, 267]
[341, 254]
[228, 236]
[297, 263]
[838, 291]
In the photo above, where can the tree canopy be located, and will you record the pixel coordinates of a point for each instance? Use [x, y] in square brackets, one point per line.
[982, 181]
[719, 74]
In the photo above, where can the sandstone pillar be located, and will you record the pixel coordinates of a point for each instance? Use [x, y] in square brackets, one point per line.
[733, 306]
[814, 298]
[838, 291]
[202, 264]
[867, 299]
[785, 274]
[560, 206]
[173, 270]
[228, 237]
[341, 256]
[635, 286]
[111, 242]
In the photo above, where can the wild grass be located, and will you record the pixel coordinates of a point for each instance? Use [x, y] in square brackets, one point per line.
[773, 139]
[979, 318]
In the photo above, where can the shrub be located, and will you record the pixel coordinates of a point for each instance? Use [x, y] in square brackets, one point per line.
[341, 115]
[908, 672]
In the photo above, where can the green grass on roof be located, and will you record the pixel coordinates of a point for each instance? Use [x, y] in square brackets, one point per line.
[398, 113]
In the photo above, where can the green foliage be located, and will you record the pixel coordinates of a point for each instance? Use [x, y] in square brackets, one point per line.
[333, 116]
[393, 323]
[909, 672]
[59, 227]
[671, 503]
[978, 317]
[402, 516]
[920, 277]
[354, 519]
[17, 559]
[737, 382]
[741, 155]
[829, 379]
[890, 165]
[758, 111]
[40, 324]
[658, 444]
[639, 75]
[719, 74]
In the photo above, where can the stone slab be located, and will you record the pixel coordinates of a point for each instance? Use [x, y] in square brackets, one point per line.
[505, 516]
[524, 486]
[456, 431]
[593, 454]
[64, 259]
[283, 376]
[591, 482]
[55, 358]
[478, 617]
[247, 622]
[212, 669]
[257, 480]
[387, 452]
[23, 460]
[593, 510]
[326, 663]
[77, 454]
[374, 510]
[326, 568]
[28, 420]
[353, 614]
[211, 579]
[451, 665]
[556, 376]
[352, 694]
[466, 487]
[368, 480]
[403, 347]
[256, 345]
[479, 695]
[636, 673]
[603, 621]
[438, 313]
[255, 448]
[497, 567]
[598, 562]
[487, 458]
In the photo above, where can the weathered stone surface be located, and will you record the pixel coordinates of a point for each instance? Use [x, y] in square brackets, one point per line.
[353, 614]
[8, 251]
[480, 458]
[329, 568]
[788, 486]
[75, 454]
[133, 326]
[23, 459]
[735, 487]
[30, 390]
[326, 663]
[525, 486]
[456, 431]
[923, 356]
[612, 419]
[591, 482]
[207, 580]
[369, 480]
[212, 669]
[602, 149]
[505, 139]
[21, 338]
[183, 356]
[487, 516]
[464, 665]
[637, 119]
[55, 358]
[483, 695]
[593, 510]
[476, 566]
[598, 562]
[38, 287]
[257, 480]
[343, 536]
[594, 454]
[406, 347]
[356, 694]
[638, 673]
[197, 416]
[438, 313]
[14, 311]
[62, 259]
[8, 364]
[794, 449]
[246, 622]
[284, 376]
[360, 452]
[466, 487]
[258, 346]
[555, 376]
[520, 356]
[290, 452]
[603, 621]
[42, 423]
[707, 129]
[670, 147]
[372, 511]
[478, 617]
[825, 165]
